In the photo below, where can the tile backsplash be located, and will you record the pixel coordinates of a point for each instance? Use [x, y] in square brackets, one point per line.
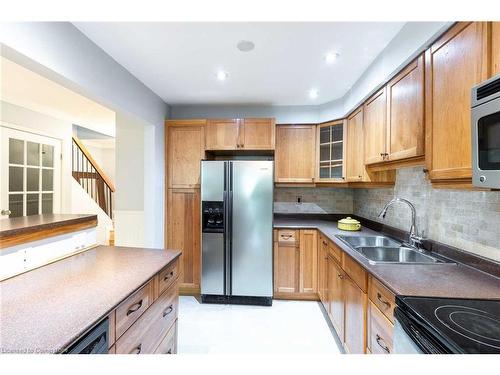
[314, 200]
[469, 220]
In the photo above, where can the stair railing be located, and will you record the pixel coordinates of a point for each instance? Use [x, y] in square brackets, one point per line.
[91, 177]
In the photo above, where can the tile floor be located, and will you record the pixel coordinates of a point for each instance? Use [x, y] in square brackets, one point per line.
[286, 327]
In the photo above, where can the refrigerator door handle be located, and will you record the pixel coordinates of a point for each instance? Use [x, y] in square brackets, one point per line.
[229, 230]
[227, 227]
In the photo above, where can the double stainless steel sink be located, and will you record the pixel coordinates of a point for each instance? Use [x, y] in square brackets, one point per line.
[381, 249]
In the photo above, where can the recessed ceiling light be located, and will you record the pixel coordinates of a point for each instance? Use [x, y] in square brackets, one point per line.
[222, 75]
[245, 45]
[313, 93]
[330, 57]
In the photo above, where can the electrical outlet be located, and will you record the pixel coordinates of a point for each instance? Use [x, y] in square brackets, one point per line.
[298, 199]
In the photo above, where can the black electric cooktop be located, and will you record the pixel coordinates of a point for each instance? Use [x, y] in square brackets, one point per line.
[456, 325]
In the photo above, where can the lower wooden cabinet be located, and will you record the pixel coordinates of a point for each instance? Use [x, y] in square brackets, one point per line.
[380, 331]
[286, 263]
[308, 270]
[380, 318]
[169, 344]
[323, 271]
[354, 317]
[296, 264]
[360, 307]
[335, 289]
[184, 233]
[147, 333]
[146, 322]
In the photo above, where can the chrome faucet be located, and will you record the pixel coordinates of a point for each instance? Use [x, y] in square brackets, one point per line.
[414, 239]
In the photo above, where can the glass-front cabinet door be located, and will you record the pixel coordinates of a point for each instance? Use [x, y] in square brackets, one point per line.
[331, 151]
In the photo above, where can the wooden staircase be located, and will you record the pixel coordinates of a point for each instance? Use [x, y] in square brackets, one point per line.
[92, 178]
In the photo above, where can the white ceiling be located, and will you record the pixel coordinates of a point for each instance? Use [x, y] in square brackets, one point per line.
[30, 90]
[178, 61]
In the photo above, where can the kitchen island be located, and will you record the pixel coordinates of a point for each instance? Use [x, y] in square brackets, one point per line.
[47, 309]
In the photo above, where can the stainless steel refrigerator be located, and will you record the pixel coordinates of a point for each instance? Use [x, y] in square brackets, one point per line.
[237, 231]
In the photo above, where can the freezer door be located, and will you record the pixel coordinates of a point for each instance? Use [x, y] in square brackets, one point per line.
[212, 244]
[252, 228]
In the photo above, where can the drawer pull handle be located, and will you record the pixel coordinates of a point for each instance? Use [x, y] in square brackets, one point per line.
[168, 310]
[379, 297]
[136, 350]
[134, 307]
[286, 236]
[379, 339]
[168, 276]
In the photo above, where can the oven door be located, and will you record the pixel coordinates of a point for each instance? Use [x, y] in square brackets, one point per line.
[403, 343]
[486, 144]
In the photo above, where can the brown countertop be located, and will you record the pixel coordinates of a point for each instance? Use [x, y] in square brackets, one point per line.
[45, 310]
[31, 228]
[431, 280]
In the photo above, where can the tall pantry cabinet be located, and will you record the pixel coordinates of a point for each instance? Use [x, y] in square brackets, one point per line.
[185, 148]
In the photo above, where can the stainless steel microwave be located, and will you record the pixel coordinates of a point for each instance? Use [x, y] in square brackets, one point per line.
[486, 134]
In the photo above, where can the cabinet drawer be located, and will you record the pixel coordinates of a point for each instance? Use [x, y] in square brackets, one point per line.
[382, 298]
[169, 343]
[288, 237]
[132, 308]
[167, 276]
[380, 332]
[355, 272]
[145, 335]
[335, 252]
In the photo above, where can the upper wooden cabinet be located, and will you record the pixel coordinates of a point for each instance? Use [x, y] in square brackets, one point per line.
[185, 149]
[355, 165]
[257, 134]
[240, 134]
[495, 48]
[295, 155]
[453, 64]
[330, 150]
[223, 134]
[374, 127]
[405, 113]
